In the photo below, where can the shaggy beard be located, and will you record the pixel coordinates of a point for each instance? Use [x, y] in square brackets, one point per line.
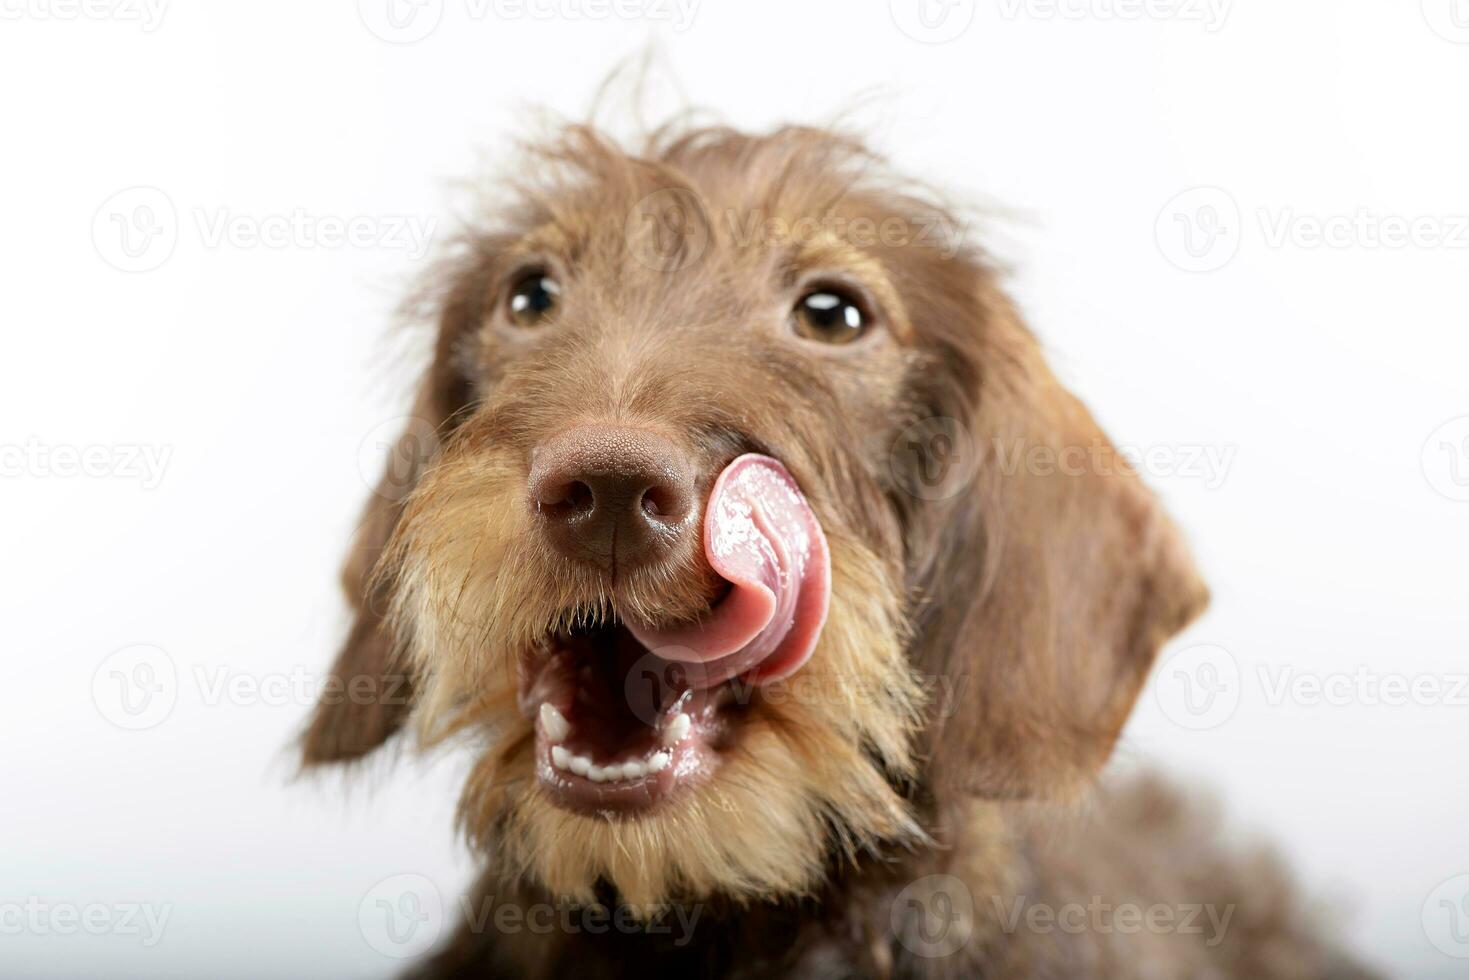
[812, 768]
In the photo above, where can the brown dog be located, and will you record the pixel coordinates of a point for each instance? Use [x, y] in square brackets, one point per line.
[722, 554]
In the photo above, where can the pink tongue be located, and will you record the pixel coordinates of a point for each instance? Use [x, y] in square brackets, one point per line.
[761, 536]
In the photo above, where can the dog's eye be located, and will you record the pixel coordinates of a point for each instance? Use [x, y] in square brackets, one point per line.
[830, 316]
[533, 300]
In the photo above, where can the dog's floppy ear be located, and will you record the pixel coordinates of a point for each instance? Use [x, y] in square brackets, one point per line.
[368, 694]
[1061, 580]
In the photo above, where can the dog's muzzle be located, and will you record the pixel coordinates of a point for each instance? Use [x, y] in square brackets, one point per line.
[627, 711]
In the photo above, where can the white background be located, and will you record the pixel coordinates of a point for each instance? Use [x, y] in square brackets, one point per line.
[1332, 539]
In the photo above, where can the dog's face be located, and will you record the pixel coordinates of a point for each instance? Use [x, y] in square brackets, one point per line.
[681, 563]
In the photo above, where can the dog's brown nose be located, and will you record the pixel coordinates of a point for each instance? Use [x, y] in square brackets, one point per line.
[615, 497]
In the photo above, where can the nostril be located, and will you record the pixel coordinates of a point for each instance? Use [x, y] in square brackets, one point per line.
[665, 504]
[566, 499]
[654, 503]
[579, 497]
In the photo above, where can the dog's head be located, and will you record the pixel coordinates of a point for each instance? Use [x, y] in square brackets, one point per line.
[755, 530]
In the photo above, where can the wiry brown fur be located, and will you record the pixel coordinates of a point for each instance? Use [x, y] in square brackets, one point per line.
[984, 645]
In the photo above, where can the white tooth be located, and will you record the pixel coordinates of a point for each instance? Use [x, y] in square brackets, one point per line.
[580, 764]
[677, 728]
[616, 773]
[597, 774]
[658, 761]
[634, 770]
[555, 724]
[560, 758]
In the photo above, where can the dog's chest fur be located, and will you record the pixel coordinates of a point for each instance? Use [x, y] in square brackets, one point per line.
[963, 909]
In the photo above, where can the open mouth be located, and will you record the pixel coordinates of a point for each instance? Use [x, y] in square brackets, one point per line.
[627, 714]
[617, 727]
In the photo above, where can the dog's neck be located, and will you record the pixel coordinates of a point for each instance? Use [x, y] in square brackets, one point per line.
[873, 918]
